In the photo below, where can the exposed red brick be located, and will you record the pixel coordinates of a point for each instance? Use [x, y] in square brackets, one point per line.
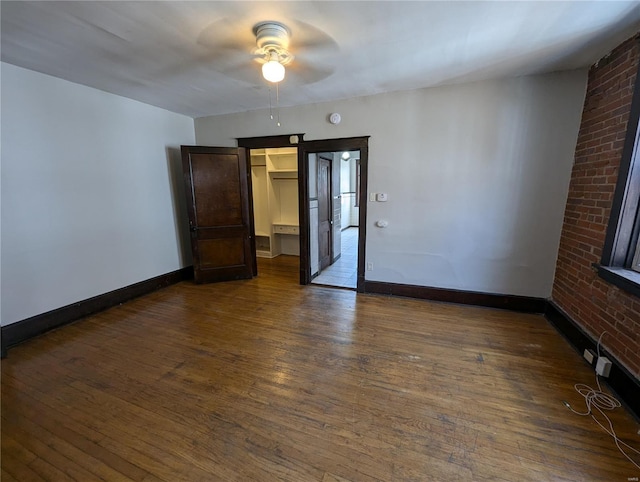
[593, 303]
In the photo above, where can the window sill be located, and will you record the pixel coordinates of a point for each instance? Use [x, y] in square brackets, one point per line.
[625, 279]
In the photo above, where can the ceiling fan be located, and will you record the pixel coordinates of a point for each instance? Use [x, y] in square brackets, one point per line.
[235, 49]
[272, 39]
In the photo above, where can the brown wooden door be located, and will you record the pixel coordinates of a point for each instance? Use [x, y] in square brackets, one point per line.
[325, 212]
[219, 212]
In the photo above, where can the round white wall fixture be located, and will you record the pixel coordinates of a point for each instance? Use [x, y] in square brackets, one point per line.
[335, 118]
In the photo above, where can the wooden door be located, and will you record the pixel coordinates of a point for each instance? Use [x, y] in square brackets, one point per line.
[219, 212]
[325, 212]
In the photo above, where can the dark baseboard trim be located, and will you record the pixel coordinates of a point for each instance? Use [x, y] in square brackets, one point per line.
[624, 385]
[36, 325]
[524, 304]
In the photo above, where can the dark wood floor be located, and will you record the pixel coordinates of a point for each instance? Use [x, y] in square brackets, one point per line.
[267, 380]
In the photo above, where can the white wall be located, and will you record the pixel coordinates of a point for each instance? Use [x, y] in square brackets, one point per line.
[314, 248]
[336, 206]
[348, 193]
[476, 174]
[91, 192]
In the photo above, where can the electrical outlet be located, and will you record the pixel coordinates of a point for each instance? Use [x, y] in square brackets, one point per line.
[590, 356]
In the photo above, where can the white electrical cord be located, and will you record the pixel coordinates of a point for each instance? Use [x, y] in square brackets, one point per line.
[600, 401]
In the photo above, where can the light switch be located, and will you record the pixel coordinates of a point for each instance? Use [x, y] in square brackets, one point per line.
[381, 197]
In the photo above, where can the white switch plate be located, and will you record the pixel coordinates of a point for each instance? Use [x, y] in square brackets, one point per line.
[369, 266]
[372, 196]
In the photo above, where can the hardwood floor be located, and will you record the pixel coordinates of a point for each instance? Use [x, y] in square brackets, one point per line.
[267, 380]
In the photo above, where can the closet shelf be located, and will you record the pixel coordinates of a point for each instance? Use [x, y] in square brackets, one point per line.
[283, 174]
[275, 199]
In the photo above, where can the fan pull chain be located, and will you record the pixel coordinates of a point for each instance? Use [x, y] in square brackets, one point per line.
[278, 102]
[270, 110]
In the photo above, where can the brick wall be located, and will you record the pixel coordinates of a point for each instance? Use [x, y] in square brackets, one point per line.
[591, 302]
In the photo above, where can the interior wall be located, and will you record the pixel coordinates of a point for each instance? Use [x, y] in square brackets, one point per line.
[476, 176]
[92, 196]
[336, 206]
[314, 249]
[354, 209]
[346, 188]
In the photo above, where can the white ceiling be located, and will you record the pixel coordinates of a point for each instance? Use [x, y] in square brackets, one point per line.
[195, 58]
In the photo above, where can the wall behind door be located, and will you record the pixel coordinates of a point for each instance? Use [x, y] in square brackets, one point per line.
[348, 193]
[314, 257]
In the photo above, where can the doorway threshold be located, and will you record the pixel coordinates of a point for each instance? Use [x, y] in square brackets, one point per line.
[343, 273]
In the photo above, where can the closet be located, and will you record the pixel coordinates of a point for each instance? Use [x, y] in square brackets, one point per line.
[274, 178]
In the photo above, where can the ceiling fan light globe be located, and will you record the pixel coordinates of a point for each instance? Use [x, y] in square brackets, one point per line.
[273, 71]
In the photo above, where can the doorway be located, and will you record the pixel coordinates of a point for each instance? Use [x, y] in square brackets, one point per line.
[333, 186]
[274, 186]
[308, 245]
[273, 197]
[338, 208]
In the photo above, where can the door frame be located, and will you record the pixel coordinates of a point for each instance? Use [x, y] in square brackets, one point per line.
[331, 145]
[264, 142]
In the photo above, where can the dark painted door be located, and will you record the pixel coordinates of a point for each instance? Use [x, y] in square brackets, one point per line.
[325, 212]
[219, 212]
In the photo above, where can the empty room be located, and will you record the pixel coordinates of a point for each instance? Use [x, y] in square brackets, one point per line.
[320, 241]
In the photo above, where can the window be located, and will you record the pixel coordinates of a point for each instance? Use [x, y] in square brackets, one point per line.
[635, 262]
[620, 263]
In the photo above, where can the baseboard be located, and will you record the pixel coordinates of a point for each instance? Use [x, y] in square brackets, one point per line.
[624, 385]
[524, 304]
[36, 325]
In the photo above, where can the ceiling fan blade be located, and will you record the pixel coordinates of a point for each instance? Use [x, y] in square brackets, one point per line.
[248, 72]
[228, 34]
[300, 72]
[309, 40]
